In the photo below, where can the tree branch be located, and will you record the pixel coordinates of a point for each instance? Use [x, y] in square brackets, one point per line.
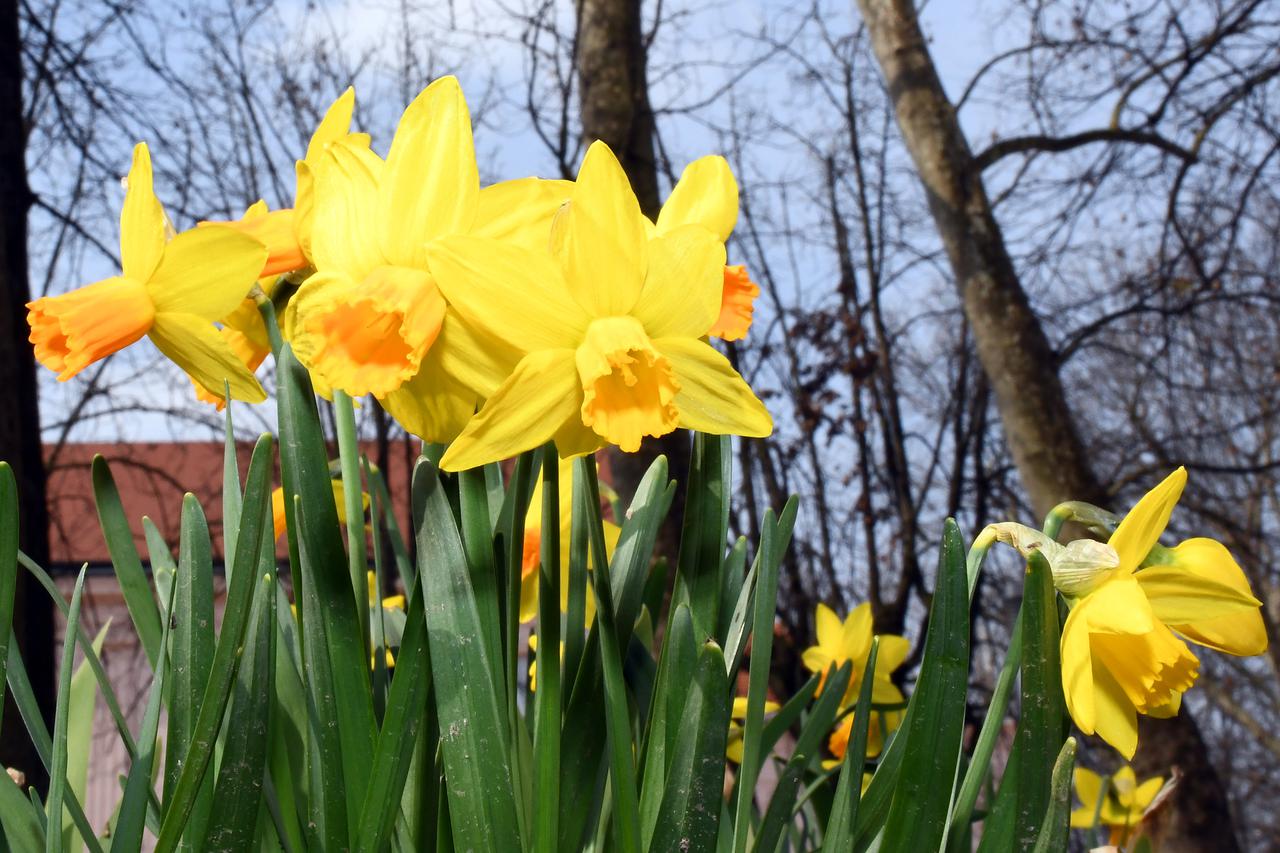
[1037, 143]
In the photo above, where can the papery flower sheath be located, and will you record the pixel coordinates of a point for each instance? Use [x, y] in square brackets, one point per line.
[1124, 649]
[170, 290]
[371, 320]
[609, 325]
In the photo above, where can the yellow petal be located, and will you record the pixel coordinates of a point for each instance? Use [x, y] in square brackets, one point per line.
[1146, 792]
[1118, 606]
[1141, 528]
[1181, 597]
[574, 438]
[520, 212]
[480, 362]
[733, 750]
[1088, 787]
[893, 651]
[683, 285]
[883, 692]
[430, 182]
[514, 294]
[195, 345]
[344, 221]
[706, 195]
[628, 389]
[529, 595]
[334, 126]
[816, 659]
[206, 272]
[601, 237]
[1241, 632]
[827, 627]
[713, 398]
[1117, 720]
[432, 404]
[737, 304]
[542, 393]
[142, 224]
[73, 330]
[1077, 668]
[1125, 783]
[855, 634]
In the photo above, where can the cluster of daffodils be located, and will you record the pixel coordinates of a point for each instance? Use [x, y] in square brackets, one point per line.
[490, 319]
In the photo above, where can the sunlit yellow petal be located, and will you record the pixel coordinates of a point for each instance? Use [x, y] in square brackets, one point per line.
[206, 272]
[1119, 607]
[478, 361]
[334, 126]
[71, 331]
[1117, 720]
[1077, 668]
[683, 285]
[541, 394]
[195, 345]
[432, 404]
[706, 195]
[1181, 597]
[1239, 633]
[602, 243]
[142, 223]
[430, 183]
[1088, 787]
[827, 627]
[1151, 668]
[344, 222]
[816, 659]
[893, 651]
[855, 634]
[520, 212]
[516, 295]
[628, 387]
[713, 398]
[1141, 528]
[275, 230]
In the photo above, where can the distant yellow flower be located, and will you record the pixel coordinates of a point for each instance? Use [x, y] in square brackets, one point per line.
[707, 195]
[1123, 649]
[532, 552]
[609, 325]
[850, 640]
[171, 290]
[737, 717]
[533, 664]
[339, 493]
[371, 319]
[1120, 808]
[881, 725]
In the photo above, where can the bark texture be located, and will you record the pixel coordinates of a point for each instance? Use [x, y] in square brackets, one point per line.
[614, 97]
[20, 425]
[1022, 369]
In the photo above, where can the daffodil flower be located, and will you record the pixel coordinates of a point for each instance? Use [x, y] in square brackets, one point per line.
[170, 290]
[850, 640]
[1121, 807]
[1123, 644]
[532, 552]
[609, 324]
[371, 320]
[879, 727]
[737, 719]
[707, 195]
[334, 127]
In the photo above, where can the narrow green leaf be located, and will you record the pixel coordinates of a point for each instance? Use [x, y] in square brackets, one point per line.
[53, 842]
[226, 658]
[1042, 728]
[80, 712]
[164, 571]
[21, 821]
[243, 768]
[124, 556]
[689, 817]
[1055, 829]
[675, 676]
[232, 500]
[935, 725]
[352, 489]
[8, 563]
[546, 737]
[405, 715]
[192, 651]
[473, 741]
[702, 542]
[838, 836]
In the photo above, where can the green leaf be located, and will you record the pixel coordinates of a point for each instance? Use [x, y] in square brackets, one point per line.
[404, 717]
[780, 811]
[22, 822]
[124, 556]
[477, 544]
[53, 841]
[232, 499]
[473, 741]
[80, 708]
[349, 461]
[8, 564]
[676, 667]
[700, 564]
[1043, 726]
[192, 651]
[243, 768]
[1055, 829]
[689, 817]
[547, 710]
[213, 704]
[935, 725]
[838, 836]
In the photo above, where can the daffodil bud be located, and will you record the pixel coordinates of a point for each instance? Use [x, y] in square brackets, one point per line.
[1079, 567]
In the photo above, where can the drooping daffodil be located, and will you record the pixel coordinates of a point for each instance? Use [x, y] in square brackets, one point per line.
[172, 290]
[1120, 807]
[850, 640]
[609, 324]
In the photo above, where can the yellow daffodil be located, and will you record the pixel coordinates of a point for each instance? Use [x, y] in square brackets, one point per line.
[391, 602]
[371, 320]
[171, 290]
[273, 229]
[850, 640]
[738, 717]
[1123, 644]
[339, 498]
[1120, 807]
[707, 195]
[532, 554]
[881, 725]
[334, 127]
[609, 325]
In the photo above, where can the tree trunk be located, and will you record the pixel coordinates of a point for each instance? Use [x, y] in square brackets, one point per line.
[614, 94]
[20, 426]
[1022, 367]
